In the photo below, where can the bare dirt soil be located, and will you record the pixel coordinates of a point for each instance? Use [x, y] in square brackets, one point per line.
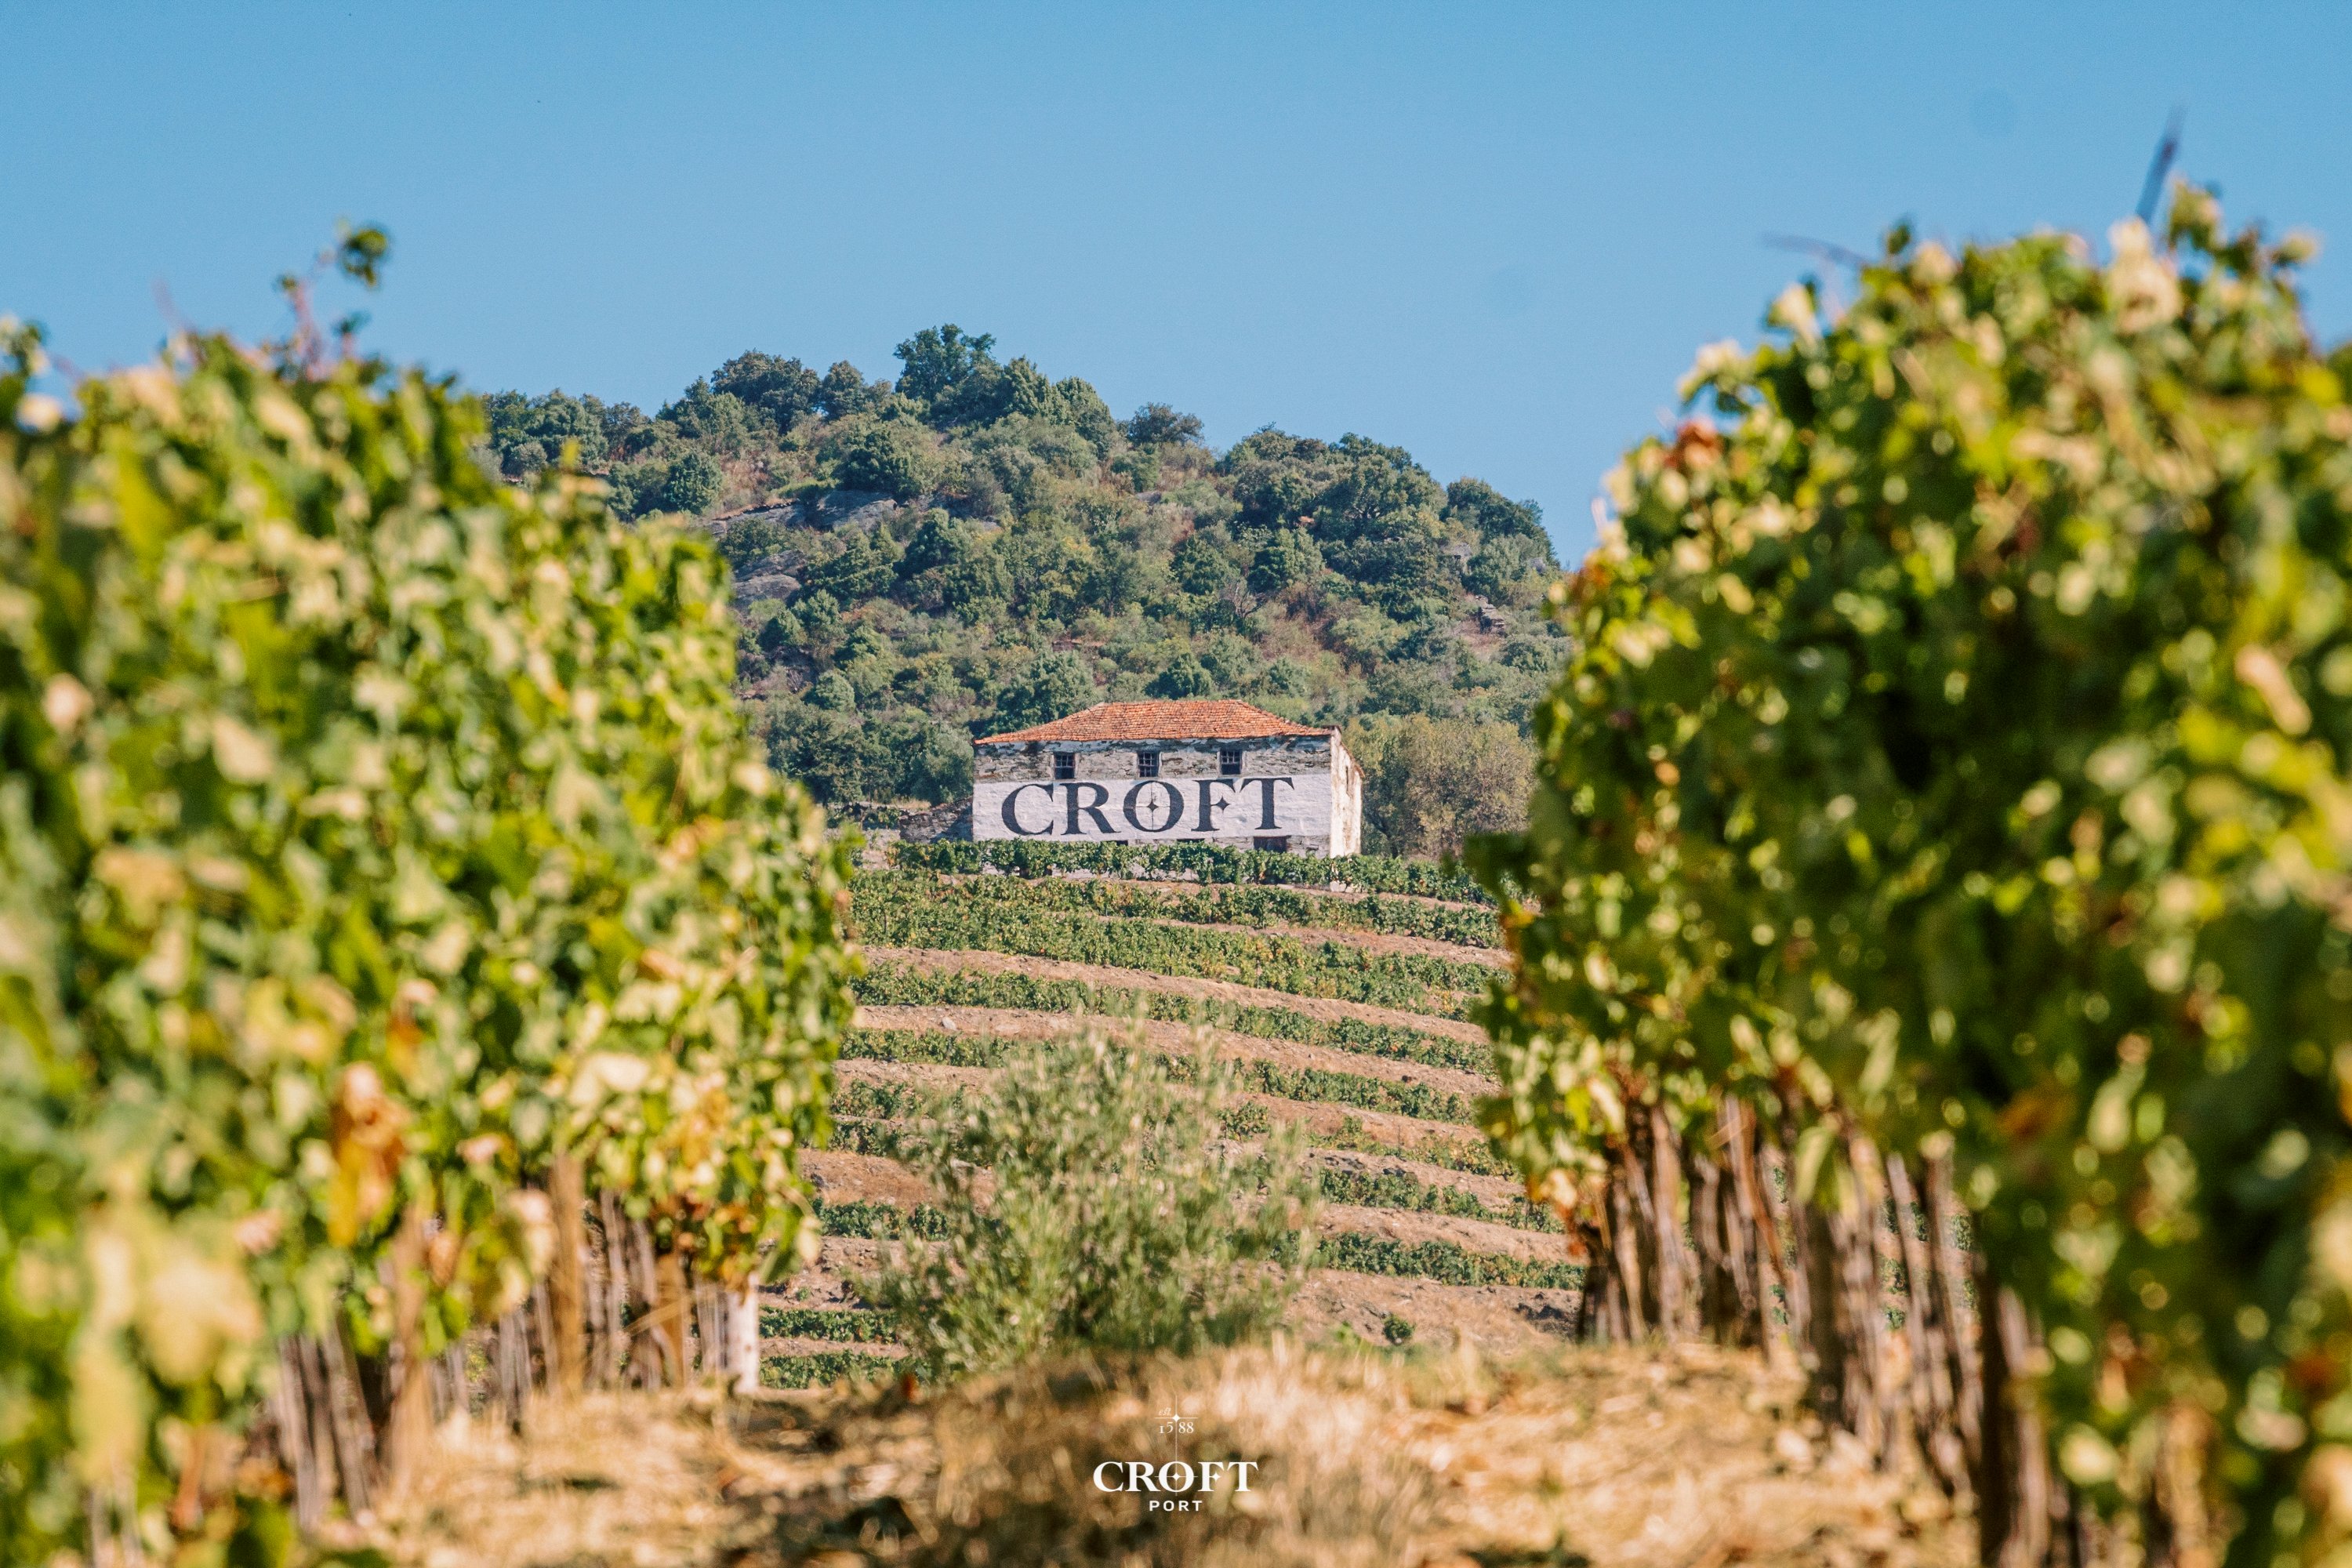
[1472, 1234]
[1497, 1320]
[1371, 942]
[1688, 1458]
[842, 1177]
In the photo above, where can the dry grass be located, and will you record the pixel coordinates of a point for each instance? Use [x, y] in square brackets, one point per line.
[1604, 1458]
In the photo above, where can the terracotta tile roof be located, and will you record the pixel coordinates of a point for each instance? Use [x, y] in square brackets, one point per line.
[1215, 720]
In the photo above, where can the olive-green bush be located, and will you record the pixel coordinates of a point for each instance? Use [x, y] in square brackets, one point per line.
[1087, 1201]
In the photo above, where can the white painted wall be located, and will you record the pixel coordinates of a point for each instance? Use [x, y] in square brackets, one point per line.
[1152, 811]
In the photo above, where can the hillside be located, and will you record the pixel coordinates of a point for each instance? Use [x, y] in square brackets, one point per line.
[1424, 1403]
[972, 547]
[1344, 1004]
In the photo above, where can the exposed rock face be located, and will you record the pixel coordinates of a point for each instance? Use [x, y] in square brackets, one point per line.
[830, 509]
[772, 574]
[951, 821]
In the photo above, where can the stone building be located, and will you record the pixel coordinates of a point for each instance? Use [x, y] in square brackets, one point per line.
[1157, 773]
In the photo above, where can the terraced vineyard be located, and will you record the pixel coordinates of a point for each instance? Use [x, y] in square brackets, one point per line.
[1345, 1008]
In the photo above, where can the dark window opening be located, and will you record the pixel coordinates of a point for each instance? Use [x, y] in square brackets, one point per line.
[1273, 843]
[1229, 760]
[1146, 764]
[1066, 764]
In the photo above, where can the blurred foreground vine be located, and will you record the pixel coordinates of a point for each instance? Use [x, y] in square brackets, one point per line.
[384, 879]
[1941, 872]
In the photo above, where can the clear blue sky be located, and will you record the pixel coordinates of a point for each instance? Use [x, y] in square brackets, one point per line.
[1492, 234]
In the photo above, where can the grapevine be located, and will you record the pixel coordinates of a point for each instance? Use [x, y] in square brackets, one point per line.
[1945, 809]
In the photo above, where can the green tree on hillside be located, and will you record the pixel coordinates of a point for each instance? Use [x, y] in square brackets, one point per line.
[528, 434]
[1431, 783]
[1481, 506]
[887, 458]
[938, 360]
[845, 391]
[692, 484]
[1158, 424]
[1054, 686]
[780, 390]
[1184, 677]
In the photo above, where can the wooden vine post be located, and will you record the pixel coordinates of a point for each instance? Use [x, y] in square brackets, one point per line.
[408, 1429]
[567, 1281]
[743, 1340]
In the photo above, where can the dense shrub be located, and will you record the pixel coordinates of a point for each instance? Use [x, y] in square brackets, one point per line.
[1088, 1203]
[694, 482]
[885, 458]
[1055, 684]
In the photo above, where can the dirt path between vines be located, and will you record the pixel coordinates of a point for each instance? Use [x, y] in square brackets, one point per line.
[981, 962]
[1368, 941]
[1620, 1458]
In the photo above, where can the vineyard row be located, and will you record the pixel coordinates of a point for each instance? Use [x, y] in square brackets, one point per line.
[1196, 862]
[1448, 1263]
[891, 916]
[1315, 1086]
[824, 1367]
[1269, 961]
[887, 985]
[848, 1325]
[1232, 906]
